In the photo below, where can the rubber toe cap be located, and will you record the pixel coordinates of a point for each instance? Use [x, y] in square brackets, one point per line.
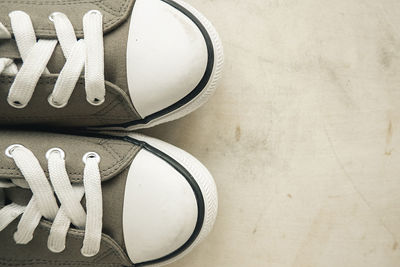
[167, 56]
[160, 209]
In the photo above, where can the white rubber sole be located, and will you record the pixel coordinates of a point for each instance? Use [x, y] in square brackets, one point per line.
[203, 179]
[206, 93]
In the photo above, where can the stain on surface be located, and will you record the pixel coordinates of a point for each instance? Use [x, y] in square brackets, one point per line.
[388, 152]
[289, 196]
[320, 232]
[386, 58]
[331, 70]
[389, 135]
[254, 230]
[238, 133]
[395, 245]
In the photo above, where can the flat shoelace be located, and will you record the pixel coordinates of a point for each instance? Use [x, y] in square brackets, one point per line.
[86, 53]
[44, 204]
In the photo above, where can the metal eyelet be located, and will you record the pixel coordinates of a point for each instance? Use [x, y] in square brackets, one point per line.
[11, 148]
[55, 150]
[88, 255]
[16, 104]
[57, 249]
[91, 155]
[15, 12]
[52, 15]
[52, 103]
[94, 11]
[96, 101]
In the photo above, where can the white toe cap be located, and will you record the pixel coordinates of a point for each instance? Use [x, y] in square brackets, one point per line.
[160, 209]
[166, 57]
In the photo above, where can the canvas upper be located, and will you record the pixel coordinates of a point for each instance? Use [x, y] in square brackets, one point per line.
[162, 60]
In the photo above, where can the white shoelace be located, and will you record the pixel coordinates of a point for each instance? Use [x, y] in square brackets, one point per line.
[79, 54]
[44, 204]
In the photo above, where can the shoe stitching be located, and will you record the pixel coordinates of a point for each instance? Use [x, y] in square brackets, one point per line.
[116, 100]
[104, 172]
[117, 11]
[108, 23]
[12, 262]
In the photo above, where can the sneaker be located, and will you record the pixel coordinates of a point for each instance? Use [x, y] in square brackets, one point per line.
[98, 200]
[118, 64]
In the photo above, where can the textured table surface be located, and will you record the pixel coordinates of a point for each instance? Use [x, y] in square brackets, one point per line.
[303, 135]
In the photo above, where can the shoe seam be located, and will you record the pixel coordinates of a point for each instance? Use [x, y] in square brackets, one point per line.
[105, 172]
[103, 112]
[108, 25]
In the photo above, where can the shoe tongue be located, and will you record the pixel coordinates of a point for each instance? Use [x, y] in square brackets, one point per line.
[18, 195]
[9, 49]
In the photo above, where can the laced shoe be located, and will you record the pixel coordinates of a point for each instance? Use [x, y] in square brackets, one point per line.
[117, 64]
[98, 200]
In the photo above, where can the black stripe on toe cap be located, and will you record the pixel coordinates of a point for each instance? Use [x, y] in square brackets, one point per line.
[196, 190]
[197, 90]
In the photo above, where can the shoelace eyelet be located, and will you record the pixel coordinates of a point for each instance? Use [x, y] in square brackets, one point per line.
[52, 103]
[94, 11]
[55, 150]
[52, 15]
[91, 155]
[16, 104]
[96, 101]
[10, 149]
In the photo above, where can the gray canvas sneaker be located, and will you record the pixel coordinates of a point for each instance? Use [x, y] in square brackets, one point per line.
[118, 64]
[98, 200]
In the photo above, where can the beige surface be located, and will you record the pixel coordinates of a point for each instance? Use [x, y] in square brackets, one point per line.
[303, 135]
